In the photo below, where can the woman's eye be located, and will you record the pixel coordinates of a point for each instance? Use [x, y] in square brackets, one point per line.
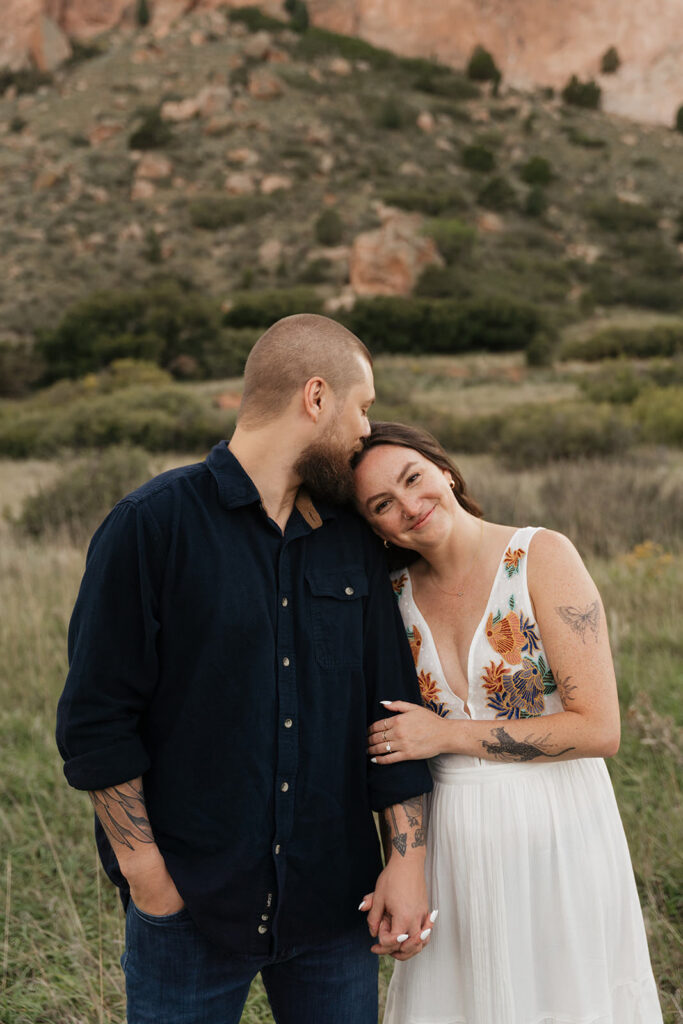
[412, 478]
[381, 507]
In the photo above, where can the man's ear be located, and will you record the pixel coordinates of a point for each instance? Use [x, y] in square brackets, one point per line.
[316, 395]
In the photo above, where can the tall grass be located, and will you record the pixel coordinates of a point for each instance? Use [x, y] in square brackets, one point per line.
[61, 925]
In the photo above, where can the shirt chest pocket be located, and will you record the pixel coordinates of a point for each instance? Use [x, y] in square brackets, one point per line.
[336, 615]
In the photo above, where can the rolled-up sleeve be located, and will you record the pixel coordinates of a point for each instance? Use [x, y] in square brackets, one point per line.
[113, 662]
[390, 675]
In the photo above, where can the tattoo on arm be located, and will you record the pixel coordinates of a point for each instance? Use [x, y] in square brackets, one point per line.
[566, 689]
[505, 748]
[579, 621]
[391, 832]
[123, 815]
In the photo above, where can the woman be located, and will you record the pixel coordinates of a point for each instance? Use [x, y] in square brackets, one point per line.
[539, 917]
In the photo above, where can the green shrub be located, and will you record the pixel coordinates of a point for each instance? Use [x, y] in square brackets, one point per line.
[660, 415]
[548, 432]
[82, 50]
[298, 15]
[613, 214]
[541, 349]
[619, 383]
[152, 132]
[537, 171]
[20, 368]
[679, 227]
[83, 495]
[329, 228]
[454, 239]
[536, 202]
[678, 123]
[392, 114]
[159, 324]
[478, 158]
[155, 418]
[481, 66]
[637, 342]
[391, 324]
[611, 61]
[142, 15]
[318, 42]
[226, 354]
[497, 194]
[263, 308]
[26, 80]
[582, 94]
[579, 138]
[430, 201]
[316, 271]
[255, 19]
[215, 212]
[447, 84]
[442, 283]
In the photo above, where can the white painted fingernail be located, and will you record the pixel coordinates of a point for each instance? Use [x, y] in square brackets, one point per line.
[362, 906]
[433, 916]
[386, 703]
[373, 760]
[425, 934]
[401, 938]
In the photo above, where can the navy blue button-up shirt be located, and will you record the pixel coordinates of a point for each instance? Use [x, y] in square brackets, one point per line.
[236, 669]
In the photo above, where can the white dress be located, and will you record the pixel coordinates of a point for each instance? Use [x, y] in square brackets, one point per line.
[527, 862]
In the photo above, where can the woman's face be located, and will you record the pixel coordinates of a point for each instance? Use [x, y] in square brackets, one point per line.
[406, 499]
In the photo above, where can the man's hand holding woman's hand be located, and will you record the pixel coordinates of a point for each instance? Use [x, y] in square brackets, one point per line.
[398, 915]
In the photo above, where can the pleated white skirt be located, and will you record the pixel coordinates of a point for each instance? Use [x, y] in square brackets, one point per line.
[539, 919]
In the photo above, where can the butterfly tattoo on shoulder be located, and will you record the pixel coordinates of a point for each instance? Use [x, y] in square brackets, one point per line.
[580, 621]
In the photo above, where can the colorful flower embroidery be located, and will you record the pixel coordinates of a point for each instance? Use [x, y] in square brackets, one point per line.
[429, 692]
[528, 630]
[506, 637]
[518, 694]
[399, 584]
[415, 640]
[511, 560]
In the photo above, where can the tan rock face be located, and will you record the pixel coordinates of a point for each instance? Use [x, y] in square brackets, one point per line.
[389, 261]
[533, 41]
[49, 46]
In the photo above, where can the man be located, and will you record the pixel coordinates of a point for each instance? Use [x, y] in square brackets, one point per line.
[230, 644]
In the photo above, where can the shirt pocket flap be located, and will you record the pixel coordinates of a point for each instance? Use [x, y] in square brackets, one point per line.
[342, 584]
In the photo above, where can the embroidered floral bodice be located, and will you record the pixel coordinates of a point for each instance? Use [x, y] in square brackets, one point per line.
[508, 675]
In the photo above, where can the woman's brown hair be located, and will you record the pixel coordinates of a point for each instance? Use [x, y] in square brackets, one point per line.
[421, 441]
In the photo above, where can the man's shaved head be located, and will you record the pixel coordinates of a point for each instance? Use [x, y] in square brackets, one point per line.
[292, 351]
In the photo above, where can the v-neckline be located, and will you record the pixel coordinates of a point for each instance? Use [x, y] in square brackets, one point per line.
[478, 627]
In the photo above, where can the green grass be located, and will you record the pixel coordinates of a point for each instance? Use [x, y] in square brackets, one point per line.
[61, 926]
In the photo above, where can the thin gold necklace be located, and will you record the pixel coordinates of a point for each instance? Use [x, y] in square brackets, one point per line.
[461, 593]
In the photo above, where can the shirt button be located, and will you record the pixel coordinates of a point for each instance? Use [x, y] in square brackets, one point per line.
[277, 849]
[288, 723]
[285, 602]
[285, 662]
[262, 929]
[284, 787]
[264, 917]
[349, 591]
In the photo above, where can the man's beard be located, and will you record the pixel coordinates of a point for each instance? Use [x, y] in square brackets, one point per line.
[325, 471]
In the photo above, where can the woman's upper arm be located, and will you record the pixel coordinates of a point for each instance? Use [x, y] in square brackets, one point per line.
[572, 623]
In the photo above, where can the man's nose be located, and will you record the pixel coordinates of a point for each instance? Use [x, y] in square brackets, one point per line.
[367, 429]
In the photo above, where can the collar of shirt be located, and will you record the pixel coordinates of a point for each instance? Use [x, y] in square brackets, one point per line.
[236, 488]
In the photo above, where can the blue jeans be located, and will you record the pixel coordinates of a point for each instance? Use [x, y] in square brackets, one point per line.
[176, 976]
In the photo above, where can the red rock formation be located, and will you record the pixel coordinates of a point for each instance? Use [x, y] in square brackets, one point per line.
[533, 41]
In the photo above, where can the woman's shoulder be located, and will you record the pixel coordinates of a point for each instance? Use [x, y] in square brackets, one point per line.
[552, 556]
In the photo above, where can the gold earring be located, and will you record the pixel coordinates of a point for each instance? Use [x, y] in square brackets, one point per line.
[386, 544]
[452, 484]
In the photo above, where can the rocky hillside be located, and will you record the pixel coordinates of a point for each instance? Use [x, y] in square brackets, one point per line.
[235, 154]
[535, 42]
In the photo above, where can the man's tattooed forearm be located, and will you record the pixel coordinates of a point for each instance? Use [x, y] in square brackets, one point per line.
[505, 748]
[579, 621]
[413, 809]
[566, 689]
[123, 815]
[391, 831]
